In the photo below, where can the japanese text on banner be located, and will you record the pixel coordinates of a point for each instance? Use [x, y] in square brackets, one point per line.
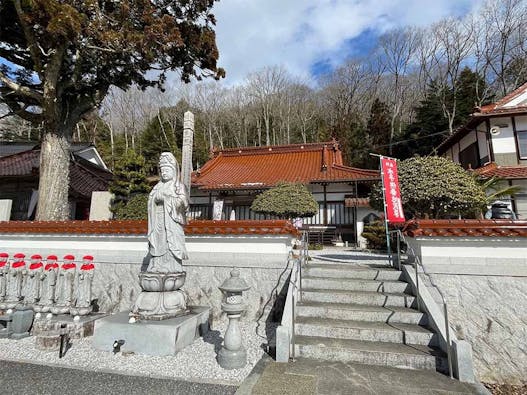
[392, 194]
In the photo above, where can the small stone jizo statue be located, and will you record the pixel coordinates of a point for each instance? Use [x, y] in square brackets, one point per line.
[83, 291]
[15, 281]
[33, 280]
[64, 287]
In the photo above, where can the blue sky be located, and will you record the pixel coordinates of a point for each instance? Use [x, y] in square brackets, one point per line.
[311, 37]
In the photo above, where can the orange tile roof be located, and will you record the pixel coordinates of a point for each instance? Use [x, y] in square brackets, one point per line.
[264, 167]
[506, 172]
[202, 227]
[466, 228]
[497, 107]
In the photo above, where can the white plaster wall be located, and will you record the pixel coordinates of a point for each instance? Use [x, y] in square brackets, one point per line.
[504, 142]
[133, 249]
[467, 140]
[483, 146]
[518, 100]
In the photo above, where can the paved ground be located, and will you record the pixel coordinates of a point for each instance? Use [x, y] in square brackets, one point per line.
[305, 377]
[30, 379]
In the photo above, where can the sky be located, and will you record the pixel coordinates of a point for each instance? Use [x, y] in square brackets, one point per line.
[311, 37]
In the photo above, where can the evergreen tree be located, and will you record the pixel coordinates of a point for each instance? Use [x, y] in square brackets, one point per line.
[377, 132]
[422, 135]
[470, 87]
[129, 180]
[160, 135]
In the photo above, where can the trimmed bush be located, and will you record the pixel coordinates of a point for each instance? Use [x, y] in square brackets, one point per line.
[135, 208]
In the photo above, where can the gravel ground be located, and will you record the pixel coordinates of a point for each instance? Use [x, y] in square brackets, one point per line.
[507, 389]
[197, 362]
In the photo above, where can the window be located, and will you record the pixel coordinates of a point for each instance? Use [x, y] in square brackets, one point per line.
[469, 157]
[522, 144]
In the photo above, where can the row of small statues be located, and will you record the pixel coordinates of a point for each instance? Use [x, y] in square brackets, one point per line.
[46, 287]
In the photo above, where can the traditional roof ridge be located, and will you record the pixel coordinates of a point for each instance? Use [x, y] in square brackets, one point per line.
[505, 99]
[270, 149]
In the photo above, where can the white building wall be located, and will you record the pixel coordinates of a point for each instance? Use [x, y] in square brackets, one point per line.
[504, 142]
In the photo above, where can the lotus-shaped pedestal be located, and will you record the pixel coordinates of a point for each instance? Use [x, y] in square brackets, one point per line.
[161, 282]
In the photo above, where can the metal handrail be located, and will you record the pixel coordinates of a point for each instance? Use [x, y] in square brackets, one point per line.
[417, 261]
[304, 254]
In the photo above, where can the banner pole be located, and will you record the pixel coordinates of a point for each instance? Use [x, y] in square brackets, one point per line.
[385, 213]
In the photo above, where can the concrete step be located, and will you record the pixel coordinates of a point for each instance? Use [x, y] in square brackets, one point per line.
[352, 271]
[371, 353]
[357, 312]
[365, 331]
[352, 284]
[357, 297]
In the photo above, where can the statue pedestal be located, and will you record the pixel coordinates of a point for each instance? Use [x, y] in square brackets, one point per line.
[161, 297]
[150, 337]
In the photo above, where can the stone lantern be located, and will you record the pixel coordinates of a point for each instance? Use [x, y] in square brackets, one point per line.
[232, 354]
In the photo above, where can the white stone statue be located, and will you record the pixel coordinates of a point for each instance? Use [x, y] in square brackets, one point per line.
[4, 268]
[49, 281]
[167, 207]
[64, 287]
[33, 280]
[161, 297]
[15, 281]
[83, 291]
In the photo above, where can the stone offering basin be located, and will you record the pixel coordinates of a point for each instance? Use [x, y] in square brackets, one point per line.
[161, 282]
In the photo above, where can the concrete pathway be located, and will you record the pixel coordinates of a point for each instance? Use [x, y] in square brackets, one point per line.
[29, 379]
[305, 377]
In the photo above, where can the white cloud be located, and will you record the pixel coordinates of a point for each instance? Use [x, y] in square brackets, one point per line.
[252, 34]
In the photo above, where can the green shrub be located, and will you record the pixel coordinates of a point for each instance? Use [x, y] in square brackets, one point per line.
[435, 187]
[135, 208]
[375, 235]
[315, 246]
[286, 200]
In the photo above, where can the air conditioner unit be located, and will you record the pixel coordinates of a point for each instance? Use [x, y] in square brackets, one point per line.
[495, 130]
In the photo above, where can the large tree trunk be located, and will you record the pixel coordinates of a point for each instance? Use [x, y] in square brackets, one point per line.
[54, 178]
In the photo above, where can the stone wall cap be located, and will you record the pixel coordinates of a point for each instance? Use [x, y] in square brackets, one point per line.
[139, 227]
[465, 228]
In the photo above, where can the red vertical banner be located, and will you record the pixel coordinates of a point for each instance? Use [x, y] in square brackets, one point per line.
[392, 194]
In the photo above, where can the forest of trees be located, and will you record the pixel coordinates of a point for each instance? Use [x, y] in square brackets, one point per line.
[414, 88]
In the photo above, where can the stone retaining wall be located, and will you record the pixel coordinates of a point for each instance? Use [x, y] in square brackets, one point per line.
[491, 313]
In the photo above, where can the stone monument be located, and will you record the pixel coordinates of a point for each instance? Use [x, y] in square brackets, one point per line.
[232, 354]
[160, 322]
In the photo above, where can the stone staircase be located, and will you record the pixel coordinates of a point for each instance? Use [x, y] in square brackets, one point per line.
[363, 313]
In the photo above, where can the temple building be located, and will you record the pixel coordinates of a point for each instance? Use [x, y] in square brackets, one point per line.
[226, 185]
[19, 178]
[493, 142]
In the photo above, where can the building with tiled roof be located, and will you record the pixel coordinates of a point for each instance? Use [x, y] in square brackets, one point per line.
[19, 175]
[494, 143]
[233, 177]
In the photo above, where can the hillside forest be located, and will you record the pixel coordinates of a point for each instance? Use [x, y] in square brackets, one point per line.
[414, 88]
